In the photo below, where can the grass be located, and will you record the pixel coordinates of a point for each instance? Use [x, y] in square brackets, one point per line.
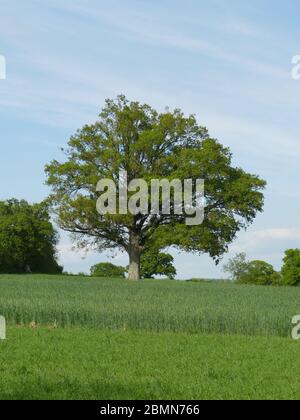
[114, 339]
[153, 306]
[90, 364]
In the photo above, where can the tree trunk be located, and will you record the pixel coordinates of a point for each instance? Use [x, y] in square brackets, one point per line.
[134, 265]
[134, 272]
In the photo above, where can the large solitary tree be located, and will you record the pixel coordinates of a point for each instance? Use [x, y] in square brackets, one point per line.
[132, 137]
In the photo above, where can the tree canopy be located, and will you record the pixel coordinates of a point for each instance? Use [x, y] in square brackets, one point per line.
[132, 137]
[156, 263]
[237, 266]
[27, 239]
[291, 268]
[260, 273]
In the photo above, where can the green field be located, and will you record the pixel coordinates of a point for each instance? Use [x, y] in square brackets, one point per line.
[86, 364]
[113, 339]
[155, 306]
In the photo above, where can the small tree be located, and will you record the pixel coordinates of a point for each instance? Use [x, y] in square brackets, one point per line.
[259, 273]
[27, 239]
[291, 268]
[156, 263]
[237, 266]
[251, 272]
[148, 145]
[108, 270]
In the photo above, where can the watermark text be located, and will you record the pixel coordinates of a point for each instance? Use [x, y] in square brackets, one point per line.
[154, 198]
[2, 328]
[296, 67]
[2, 67]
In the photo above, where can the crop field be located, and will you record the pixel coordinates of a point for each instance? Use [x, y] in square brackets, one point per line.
[154, 306]
[83, 338]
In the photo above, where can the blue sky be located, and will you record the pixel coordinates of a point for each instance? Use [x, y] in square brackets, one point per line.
[229, 62]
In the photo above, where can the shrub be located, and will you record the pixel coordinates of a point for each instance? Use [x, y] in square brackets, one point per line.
[108, 270]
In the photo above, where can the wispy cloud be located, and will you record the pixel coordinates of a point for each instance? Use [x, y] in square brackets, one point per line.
[158, 32]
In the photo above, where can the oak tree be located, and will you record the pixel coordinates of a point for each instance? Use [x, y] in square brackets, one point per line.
[147, 145]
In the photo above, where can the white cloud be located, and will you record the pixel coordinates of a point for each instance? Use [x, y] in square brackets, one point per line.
[266, 244]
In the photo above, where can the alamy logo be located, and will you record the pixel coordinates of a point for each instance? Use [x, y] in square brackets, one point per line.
[2, 67]
[2, 328]
[156, 197]
[296, 68]
[296, 329]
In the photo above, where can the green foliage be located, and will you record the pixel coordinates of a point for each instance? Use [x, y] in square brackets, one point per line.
[27, 239]
[153, 263]
[291, 268]
[236, 266]
[78, 363]
[108, 270]
[154, 306]
[252, 272]
[259, 273]
[137, 139]
[156, 263]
